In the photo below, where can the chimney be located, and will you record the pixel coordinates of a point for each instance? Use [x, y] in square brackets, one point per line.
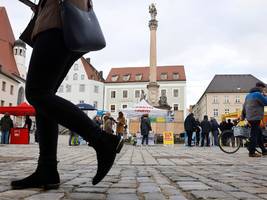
[88, 60]
[101, 74]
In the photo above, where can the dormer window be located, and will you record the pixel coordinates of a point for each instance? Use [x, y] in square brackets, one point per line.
[175, 76]
[138, 77]
[163, 76]
[114, 77]
[126, 77]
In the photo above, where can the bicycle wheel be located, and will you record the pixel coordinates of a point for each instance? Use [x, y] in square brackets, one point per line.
[228, 143]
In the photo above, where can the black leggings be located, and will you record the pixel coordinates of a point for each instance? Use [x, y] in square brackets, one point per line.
[49, 64]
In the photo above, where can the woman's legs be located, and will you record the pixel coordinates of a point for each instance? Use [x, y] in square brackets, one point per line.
[49, 64]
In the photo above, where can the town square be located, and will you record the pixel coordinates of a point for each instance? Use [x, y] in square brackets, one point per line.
[133, 100]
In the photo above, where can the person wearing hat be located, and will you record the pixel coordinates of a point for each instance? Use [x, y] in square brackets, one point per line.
[253, 111]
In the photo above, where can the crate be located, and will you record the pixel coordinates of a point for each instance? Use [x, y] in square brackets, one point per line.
[241, 131]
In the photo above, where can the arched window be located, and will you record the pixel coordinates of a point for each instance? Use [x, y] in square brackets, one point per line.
[20, 95]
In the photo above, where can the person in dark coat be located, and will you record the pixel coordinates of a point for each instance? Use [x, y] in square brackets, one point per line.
[198, 130]
[206, 128]
[214, 130]
[28, 123]
[223, 125]
[145, 127]
[6, 124]
[189, 126]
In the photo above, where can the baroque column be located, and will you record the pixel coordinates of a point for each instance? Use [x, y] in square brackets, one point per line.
[153, 87]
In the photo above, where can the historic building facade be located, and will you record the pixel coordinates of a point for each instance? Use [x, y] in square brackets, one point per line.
[126, 86]
[83, 84]
[225, 94]
[12, 64]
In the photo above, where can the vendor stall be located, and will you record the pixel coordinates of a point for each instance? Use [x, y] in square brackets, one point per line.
[19, 135]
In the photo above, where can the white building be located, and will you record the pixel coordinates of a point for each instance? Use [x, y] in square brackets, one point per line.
[123, 86]
[12, 64]
[83, 84]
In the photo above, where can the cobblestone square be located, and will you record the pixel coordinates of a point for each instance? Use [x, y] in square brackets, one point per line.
[148, 172]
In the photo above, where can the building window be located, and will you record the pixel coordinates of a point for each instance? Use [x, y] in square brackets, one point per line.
[11, 89]
[124, 106]
[81, 88]
[163, 92]
[81, 101]
[124, 94]
[226, 99]
[3, 86]
[126, 77]
[20, 52]
[16, 51]
[138, 77]
[114, 78]
[76, 67]
[82, 77]
[226, 111]
[215, 112]
[2, 103]
[75, 76]
[112, 108]
[95, 104]
[60, 89]
[175, 76]
[137, 93]
[215, 99]
[163, 76]
[113, 94]
[176, 93]
[237, 99]
[96, 89]
[10, 104]
[175, 106]
[68, 88]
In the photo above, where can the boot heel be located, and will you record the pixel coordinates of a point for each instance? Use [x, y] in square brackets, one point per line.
[51, 186]
[119, 146]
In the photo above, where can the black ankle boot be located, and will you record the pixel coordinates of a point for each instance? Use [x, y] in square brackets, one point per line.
[46, 176]
[106, 148]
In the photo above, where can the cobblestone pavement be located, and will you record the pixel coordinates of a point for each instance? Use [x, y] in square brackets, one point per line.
[147, 173]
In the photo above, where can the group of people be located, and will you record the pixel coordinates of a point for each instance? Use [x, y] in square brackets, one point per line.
[6, 123]
[203, 129]
[253, 112]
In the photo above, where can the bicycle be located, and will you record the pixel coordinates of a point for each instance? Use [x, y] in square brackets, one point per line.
[230, 141]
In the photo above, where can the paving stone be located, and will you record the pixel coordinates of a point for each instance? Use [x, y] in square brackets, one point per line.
[54, 196]
[157, 172]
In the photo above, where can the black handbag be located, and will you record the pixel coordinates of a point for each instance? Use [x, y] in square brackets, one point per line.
[81, 29]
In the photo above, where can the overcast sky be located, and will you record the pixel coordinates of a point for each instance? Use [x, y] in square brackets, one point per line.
[208, 37]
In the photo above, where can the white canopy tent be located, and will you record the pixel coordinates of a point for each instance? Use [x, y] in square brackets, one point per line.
[143, 108]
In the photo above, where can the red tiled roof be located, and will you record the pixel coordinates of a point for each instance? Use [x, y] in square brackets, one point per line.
[91, 72]
[144, 71]
[7, 39]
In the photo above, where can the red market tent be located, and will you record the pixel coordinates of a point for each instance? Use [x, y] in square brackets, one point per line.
[22, 109]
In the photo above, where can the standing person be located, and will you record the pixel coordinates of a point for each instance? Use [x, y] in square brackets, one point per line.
[214, 130]
[28, 123]
[253, 111]
[98, 121]
[206, 128]
[145, 127]
[229, 125]
[189, 126]
[121, 122]
[6, 124]
[223, 125]
[108, 123]
[198, 129]
[49, 64]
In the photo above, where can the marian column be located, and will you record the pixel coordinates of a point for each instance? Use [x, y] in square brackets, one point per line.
[153, 87]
